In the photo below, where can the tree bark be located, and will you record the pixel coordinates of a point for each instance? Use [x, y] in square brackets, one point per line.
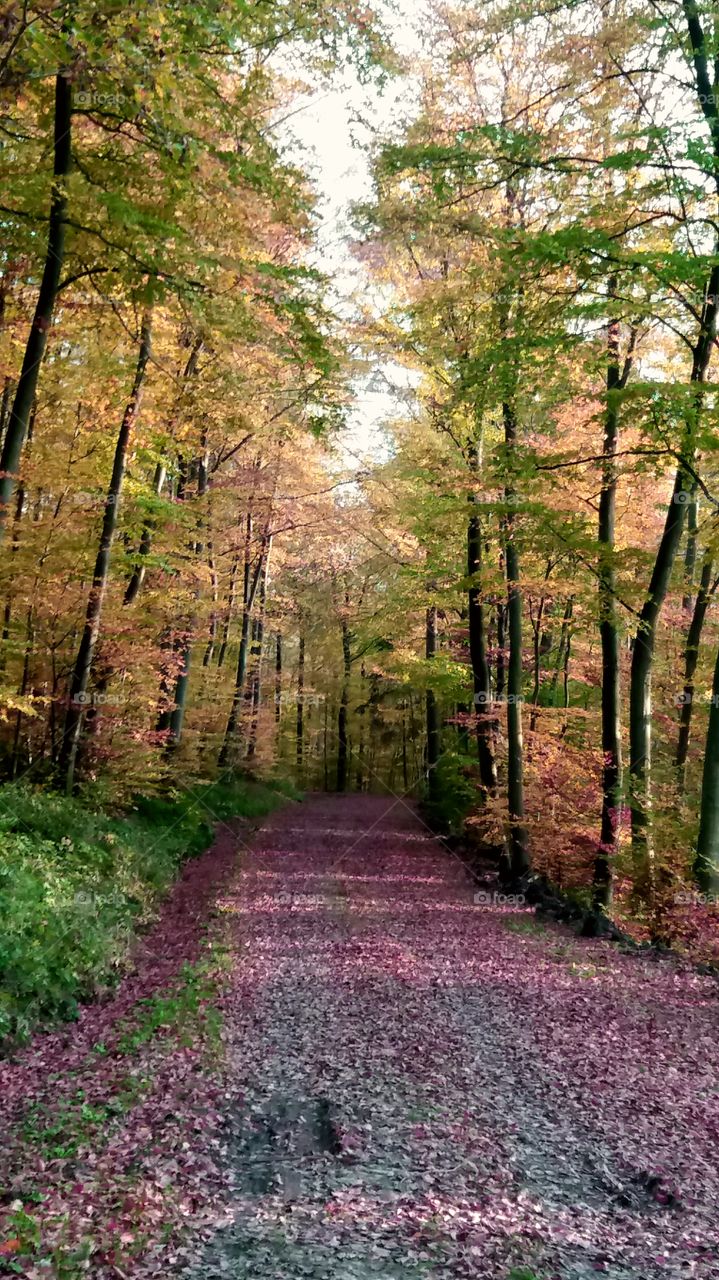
[609, 623]
[278, 678]
[478, 647]
[432, 710]
[342, 734]
[37, 339]
[300, 745]
[518, 840]
[83, 662]
[706, 863]
[251, 584]
[691, 657]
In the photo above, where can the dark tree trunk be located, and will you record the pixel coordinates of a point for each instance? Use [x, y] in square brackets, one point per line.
[19, 512]
[37, 339]
[706, 863]
[432, 710]
[83, 663]
[518, 841]
[342, 719]
[691, 657]
[690, 553]
[278, 678]
[254, 692]
[640, 706]
[501, 665]
[186, 638]
[609, 624]
[301, 706]
[478, 648]
[251, 584]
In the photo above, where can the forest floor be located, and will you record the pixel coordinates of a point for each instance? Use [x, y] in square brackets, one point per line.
[367, 1073]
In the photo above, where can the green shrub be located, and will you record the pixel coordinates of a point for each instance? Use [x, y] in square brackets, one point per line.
[75, 885]
[454, 793]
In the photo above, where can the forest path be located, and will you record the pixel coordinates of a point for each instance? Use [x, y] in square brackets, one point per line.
[427, 1087]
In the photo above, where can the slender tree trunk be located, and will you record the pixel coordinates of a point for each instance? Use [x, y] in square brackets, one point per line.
[432, 710]
[342, 734]
[37, 339]
[706, 863]
[185, 640]
[254, 691]
[640, 701]
[251, 584]
[690, 553]
[691, 657]
[478, 647]
[537, 660]
[405, 761]
[325, 748]
[278, 678]
[301, 707]
[518, 841]
[19, 512]
[609, 626]
[640, 698]
[83, 663]
[501, 666]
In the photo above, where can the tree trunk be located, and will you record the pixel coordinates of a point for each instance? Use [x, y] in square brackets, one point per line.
[83, 663]
[185, 640]
[690, 553]
[251, 584]
[254, 692]
[691, 657]
[301, 706]
[706, 863]
[432, 710]
[609, 626]
[501, 665]
[37, 339]
[342, 735]
[518, 841]
[478, 648]
[640, 702]
[278, 678]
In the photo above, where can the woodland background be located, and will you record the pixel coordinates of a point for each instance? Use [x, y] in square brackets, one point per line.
[508, 609]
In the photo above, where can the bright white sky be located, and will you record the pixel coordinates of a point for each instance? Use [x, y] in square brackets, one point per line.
[332, 131]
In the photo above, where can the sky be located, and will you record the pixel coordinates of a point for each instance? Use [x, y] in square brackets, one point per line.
[331, 132]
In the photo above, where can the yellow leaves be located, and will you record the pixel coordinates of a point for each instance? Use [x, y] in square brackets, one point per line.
[11, 702]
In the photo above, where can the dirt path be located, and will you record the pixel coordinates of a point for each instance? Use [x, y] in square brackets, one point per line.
[427, 1087]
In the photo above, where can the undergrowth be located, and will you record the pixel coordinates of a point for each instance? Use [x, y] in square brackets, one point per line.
[77, 884]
